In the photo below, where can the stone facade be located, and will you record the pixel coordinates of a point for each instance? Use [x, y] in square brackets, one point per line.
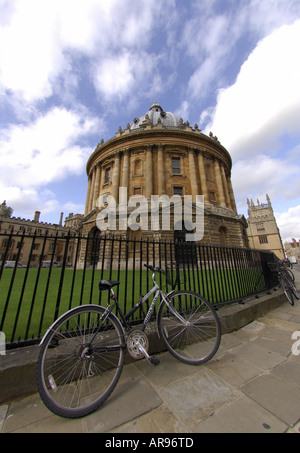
[29, 228]
[293, 250]
[159, 154]
[262, 230]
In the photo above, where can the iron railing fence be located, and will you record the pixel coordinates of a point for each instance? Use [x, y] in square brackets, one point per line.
[42, 276]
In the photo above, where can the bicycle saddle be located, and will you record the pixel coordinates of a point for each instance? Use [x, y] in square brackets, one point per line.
[104, 285]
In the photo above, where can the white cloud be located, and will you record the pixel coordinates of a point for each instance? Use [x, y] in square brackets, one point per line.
[264, 102]
[254, 177]
[26, 201]
[289, 223]
[257, 119]
[38, 41]
[37, 154]
[117, 77]
[29, 52]
[44, 150]
[265, 16]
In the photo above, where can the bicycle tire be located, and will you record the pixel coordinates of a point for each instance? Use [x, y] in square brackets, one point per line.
[294, 289]
[287, 290]
[290, 274]
[194, 337]
[74, 376]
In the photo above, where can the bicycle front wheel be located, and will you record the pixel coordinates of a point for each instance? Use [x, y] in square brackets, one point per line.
[290, 274]
[285, 284]
[80, 361]
[191, 329]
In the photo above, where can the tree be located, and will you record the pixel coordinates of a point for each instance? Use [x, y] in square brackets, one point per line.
[5, 211]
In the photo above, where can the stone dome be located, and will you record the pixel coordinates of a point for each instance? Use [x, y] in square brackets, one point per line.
[155, 115]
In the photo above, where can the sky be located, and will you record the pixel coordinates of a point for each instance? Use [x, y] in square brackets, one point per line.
[73, 71]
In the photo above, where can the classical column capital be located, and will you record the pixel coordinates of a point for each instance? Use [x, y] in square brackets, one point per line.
[125, 151]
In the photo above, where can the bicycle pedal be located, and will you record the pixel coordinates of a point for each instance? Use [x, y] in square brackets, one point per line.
[154, 360]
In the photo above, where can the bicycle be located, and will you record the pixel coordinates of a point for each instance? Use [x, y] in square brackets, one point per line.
[288, 266]
[286, 280]
[82, 354]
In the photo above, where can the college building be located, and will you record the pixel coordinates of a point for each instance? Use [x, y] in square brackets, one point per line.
[16, 242]
[262, 230]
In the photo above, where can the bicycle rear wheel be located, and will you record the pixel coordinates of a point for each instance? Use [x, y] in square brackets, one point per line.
[80, 361]
[191, 330]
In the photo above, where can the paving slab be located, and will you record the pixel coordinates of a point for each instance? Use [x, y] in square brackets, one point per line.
[233, 369]
[160, 420]
[3, 412]
[168, 370]
[228, 341]
[275, 395]
[128, 401]
[258, 356]
[289, 372]
[276, 345]
[195, 397]
[241, 415]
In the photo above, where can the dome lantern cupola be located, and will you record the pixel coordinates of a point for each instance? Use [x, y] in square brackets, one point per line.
[155, 115]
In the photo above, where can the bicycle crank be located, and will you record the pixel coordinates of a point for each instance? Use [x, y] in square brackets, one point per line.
[138, 344]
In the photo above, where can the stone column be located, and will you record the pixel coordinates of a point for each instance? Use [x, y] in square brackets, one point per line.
[92, 190]
[231, 193]
[225, 185]
[148, 171]
[88, 196]
[193, 174]
[97, 186]
[125, 172]
[202, 172]
[161, 171]
[116, 178]
[218, 177]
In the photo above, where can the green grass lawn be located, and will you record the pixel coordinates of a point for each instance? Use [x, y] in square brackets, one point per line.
[41, 298]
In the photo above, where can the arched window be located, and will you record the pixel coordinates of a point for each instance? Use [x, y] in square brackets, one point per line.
[94, 246]
[138, 167]
[209, 172]
[223, 235]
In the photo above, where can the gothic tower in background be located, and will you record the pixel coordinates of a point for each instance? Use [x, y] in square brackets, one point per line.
[263, 231]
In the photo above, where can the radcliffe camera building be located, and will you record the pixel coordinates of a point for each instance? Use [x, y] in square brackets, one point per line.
[159, 154]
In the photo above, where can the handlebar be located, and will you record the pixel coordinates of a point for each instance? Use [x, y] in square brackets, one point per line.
[153, 269]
